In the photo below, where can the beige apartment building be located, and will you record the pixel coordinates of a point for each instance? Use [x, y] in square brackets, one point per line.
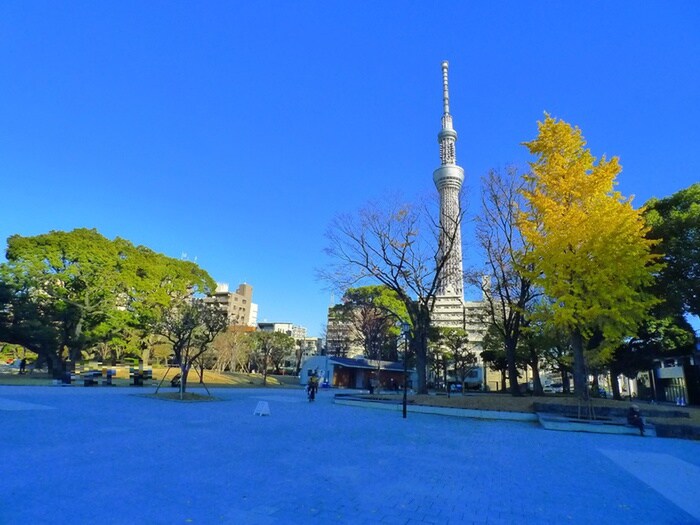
[238, 305]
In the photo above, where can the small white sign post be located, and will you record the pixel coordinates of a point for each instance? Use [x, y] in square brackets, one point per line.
[263, 409]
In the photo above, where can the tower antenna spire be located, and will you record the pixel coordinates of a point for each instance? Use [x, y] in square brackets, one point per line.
[446, 117]
[445, 88]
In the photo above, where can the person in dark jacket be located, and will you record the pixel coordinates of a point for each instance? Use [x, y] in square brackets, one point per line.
[634, 418]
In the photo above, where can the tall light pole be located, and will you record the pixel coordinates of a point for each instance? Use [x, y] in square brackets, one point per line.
[404, 331]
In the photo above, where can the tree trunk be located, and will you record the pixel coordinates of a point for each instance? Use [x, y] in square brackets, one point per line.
[596, 386]
[580, 379]
[418, 350]
[503, 380]
[615, 385]
[535, 365]
[565, 382]
[184, 372]
[146, 355]
[511, 343]
[265, 370]
[297, 365]
[74, 346]
[55, 365]
[419, 346]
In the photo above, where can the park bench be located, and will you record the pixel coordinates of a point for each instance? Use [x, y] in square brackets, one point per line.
[90, 377]
[66, 379]
[139, 375]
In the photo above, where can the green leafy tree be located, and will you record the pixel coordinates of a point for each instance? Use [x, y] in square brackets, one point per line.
[74, 275]
[29, 319]
[271, 349]
[374, 313]
[456, 343]
[72, 290]
[282, 351]
[657, 337]
[542, 341]
[675, 226]
[439, 360]
[494, 354]
[589, 250]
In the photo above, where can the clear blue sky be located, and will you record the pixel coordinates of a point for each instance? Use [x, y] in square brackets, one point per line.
[234, 132]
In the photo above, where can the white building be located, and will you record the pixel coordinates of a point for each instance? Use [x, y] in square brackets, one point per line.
[297, 332]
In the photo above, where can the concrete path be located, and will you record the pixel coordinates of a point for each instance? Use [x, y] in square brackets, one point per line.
[106, 455]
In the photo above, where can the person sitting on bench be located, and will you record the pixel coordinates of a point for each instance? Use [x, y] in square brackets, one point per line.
[634, 418]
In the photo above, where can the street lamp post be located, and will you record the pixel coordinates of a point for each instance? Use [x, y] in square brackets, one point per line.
[404, 331]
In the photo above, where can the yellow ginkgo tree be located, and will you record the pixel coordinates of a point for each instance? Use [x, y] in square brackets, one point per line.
[589, 251]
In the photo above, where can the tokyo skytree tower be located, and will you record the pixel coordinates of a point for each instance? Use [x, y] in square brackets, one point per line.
[448, 179]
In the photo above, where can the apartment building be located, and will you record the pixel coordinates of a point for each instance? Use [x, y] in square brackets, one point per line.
[239, 306]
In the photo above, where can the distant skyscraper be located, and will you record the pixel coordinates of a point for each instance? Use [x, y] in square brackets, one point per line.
[449, 304]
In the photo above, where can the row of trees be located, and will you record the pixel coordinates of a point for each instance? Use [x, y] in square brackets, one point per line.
[68, 296]
[580, 280]
[63, 293]
[577, 277]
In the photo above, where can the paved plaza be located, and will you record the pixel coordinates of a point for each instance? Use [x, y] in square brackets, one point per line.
[99, 455]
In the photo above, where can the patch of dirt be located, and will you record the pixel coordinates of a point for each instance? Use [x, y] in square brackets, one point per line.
[188, 397]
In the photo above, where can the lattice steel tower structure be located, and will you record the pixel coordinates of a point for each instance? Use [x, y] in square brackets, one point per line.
[450, 309]
[448, 179]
